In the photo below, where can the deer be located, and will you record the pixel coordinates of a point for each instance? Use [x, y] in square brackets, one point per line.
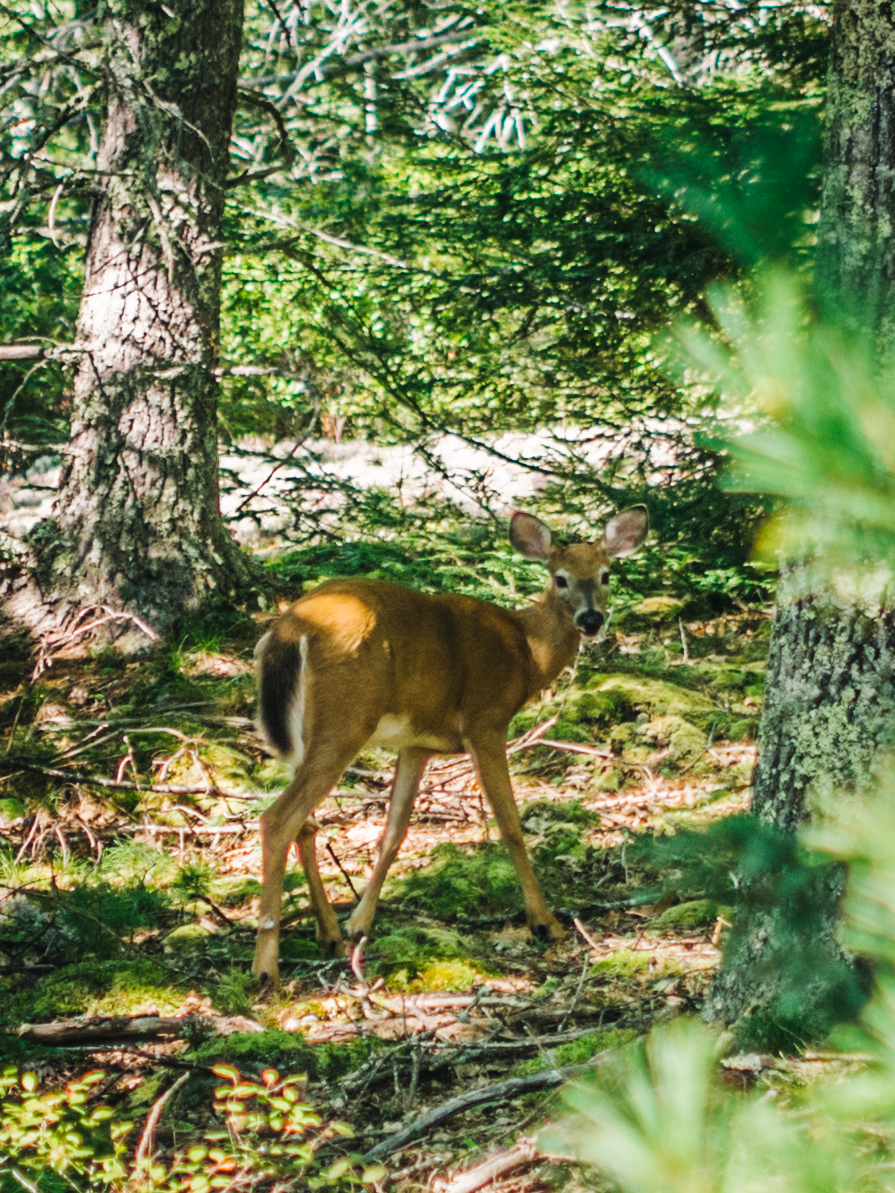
[357, 663]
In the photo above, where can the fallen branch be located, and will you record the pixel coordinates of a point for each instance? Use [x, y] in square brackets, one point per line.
[128, 1027]
[578, 747]
[503, 1091]
[489, 1170]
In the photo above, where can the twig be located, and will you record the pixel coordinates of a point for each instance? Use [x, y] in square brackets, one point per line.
[680, 622]
[577, 747]
[14, 762]
[23, 1180]
[357, 959]
[269, 477]
[144, 1147]
[342, 870]
[585, 965]
[587, 936]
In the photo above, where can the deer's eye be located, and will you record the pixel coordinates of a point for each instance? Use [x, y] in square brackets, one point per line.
[604, 579]
[561, 582]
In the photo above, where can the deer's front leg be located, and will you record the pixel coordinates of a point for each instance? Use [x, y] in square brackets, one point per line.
[489, 757]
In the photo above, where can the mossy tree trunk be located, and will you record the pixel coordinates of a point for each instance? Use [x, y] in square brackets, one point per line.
[829, 716]
[137, 526]
[827, 725]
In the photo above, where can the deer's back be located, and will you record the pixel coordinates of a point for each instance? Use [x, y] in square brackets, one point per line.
[414, 668]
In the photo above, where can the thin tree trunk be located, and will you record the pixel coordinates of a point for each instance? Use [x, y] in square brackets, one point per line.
[829, 716]
[137, 526]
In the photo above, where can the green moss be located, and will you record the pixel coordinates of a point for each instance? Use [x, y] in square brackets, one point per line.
[105, 987]
[416, 957]
[286, 1051]
[622, 965]
[685, 741]
[578, 1052]
[696, 913]
[463, 883]
[536, 815]
[743, 730]
[612, 779]
[654, 613]
[657, 696]
[232, 889]
[455, 976]
[188, 938]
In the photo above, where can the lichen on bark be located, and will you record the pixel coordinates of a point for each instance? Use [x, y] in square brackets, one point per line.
[827, 729]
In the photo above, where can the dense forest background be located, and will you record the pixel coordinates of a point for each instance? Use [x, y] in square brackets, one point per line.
[404, 267]
[453, 220]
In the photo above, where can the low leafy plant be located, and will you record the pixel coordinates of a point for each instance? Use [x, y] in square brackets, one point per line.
[264, 1132]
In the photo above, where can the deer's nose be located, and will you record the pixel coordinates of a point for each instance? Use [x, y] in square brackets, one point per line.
[589, 622]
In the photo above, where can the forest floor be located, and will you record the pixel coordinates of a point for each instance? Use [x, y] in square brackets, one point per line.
[128, 911]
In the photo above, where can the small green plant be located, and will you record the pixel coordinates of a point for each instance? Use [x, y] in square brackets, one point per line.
[264, 1132]
[57, 1131]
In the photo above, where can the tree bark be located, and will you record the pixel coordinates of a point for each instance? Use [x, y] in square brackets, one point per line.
[829, 717]
[855, 258]
[827, 727]
[136, 526]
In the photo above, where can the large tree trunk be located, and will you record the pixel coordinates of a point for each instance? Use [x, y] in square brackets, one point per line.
[827, 725]
[137, 527]
[829, 717]
[856, 253]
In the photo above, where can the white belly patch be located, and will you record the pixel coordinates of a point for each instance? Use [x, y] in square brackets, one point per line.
[395, 733]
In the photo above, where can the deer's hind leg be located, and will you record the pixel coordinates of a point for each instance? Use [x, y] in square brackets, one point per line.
[287, 821]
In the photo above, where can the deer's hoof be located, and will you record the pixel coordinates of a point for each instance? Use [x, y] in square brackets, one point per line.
[548, 929]
[333, 948]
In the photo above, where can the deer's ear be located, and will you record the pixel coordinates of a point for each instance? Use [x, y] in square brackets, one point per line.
[627, 530]
[530, 536]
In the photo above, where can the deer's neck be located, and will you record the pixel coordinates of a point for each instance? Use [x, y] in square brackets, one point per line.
[552, 638]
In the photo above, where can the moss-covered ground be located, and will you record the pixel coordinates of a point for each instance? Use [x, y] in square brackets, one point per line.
[141, 898]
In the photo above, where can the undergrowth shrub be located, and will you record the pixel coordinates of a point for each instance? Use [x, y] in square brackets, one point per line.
[743, 862]
[263, 1132]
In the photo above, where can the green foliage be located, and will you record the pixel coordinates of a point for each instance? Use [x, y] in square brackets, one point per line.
[254, 1051]
[660, 1120]
[266, 1133]
[58, 1132]
[425, 238]
[825, 442]
[742, 862]
[576, 1052]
